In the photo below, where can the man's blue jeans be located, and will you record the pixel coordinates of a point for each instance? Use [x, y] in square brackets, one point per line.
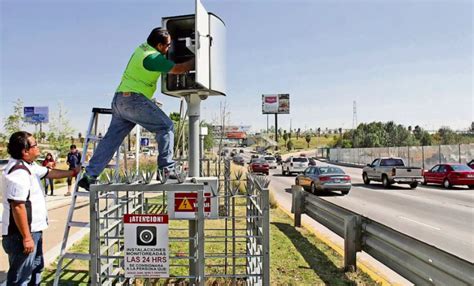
[24, 269]
[129, 109]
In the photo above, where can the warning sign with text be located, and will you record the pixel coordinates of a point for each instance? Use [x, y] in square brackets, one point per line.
[186, 202]
[146, 247]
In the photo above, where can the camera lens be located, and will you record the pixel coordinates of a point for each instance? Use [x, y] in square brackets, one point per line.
[146, 236]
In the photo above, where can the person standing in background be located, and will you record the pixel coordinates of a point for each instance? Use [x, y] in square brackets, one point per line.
[73, 160]
[49, 163]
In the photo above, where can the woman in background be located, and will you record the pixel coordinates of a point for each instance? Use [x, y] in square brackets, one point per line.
[50, 164]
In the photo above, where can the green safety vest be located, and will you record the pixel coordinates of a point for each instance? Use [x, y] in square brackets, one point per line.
[136, 78]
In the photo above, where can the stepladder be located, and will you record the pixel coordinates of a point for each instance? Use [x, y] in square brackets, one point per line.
[90, 142]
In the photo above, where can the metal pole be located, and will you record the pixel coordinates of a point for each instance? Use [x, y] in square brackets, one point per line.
[423, 157]
[201, 155]
[266, 236]
[439, 154]
[94, 267]
[267, 125]
[200, 238]
[137, 147]
[276, 130]
[194, 106]
[459, 153]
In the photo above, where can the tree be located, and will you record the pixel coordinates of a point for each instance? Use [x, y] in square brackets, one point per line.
[62, 130]
[308, 139]
[289, 145]
[209, 138]
[298, 133]
[14, 122]
[175, 116]
[285, 136]
[425, 139]
[447, 136]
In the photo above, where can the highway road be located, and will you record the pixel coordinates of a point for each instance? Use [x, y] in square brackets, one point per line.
[440, 217]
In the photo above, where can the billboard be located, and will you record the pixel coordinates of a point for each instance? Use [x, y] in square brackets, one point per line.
[36, 114]
[275, 103]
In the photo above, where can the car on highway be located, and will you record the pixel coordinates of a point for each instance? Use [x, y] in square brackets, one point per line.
[241, 151]
[450, 174]
[253, 156]
[259, 165]
[272, 162]
[238, 160]
[324, 178]
[294, 165]
[390, 170]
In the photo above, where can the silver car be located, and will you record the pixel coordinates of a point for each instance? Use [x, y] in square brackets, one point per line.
[325, 178]
[272, 161]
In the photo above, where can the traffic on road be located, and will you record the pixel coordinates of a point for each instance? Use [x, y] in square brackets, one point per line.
[435, 212]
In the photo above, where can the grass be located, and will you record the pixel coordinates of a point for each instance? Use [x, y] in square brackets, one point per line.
[297, 257]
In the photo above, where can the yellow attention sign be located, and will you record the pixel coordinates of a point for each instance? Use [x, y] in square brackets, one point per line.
[185, 205]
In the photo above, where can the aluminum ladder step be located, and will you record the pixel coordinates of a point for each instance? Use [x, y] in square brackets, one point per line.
[101, 110]
[79, 224]
[94, 138]
[80, 256]
[108, 166]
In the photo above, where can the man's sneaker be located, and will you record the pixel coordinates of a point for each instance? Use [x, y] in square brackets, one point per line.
[86, 181]
[174, 171]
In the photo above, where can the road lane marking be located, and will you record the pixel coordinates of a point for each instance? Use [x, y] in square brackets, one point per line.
[427, 225]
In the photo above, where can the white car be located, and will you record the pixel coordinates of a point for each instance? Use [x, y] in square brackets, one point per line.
[272, 162]
[294, 165]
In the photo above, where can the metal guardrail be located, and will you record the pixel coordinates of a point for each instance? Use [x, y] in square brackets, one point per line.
[415, 260]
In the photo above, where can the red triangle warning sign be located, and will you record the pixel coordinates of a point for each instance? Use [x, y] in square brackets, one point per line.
[185, 205]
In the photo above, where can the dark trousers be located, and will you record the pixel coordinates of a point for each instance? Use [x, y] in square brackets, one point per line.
[48, 182]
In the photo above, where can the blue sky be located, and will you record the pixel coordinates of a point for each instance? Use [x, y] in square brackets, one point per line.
[406, 61]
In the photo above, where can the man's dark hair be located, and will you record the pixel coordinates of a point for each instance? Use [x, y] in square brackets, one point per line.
[157, 36]
[73, 146]
[17, 143]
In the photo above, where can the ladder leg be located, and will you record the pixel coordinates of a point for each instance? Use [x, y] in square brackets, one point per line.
[91, 138]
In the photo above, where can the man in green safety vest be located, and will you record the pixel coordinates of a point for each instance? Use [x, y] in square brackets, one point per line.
[131, 105]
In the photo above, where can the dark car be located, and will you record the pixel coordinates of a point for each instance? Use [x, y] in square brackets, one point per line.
[450, 174]
[241, 151]
[238, 160]
[259, 165]
[325, 178]
[253, 156]
[471, 164]
[312, 162]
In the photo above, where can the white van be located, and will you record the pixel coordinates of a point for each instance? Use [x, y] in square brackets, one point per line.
[294, 165]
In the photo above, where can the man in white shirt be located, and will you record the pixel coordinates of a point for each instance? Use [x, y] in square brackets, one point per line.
[24, 209]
